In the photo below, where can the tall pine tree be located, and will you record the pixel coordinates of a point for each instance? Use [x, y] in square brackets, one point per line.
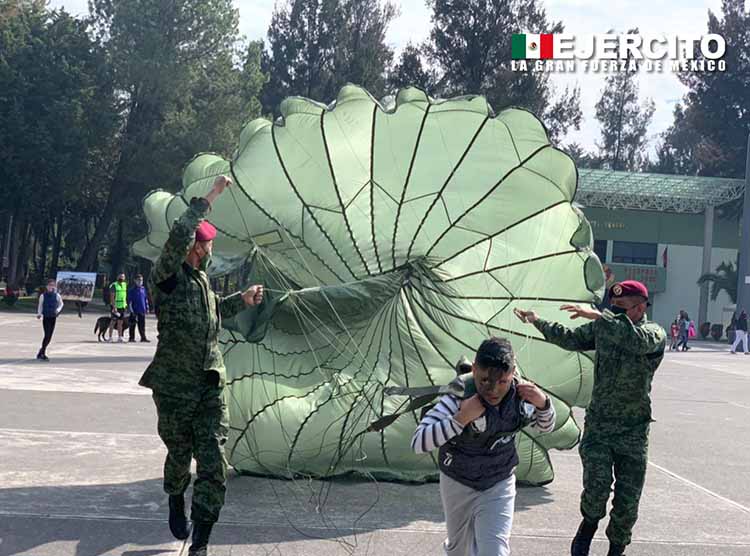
[624, 122]
[317, 46]
[470, 47]
[710, 131]
[160, 52]
[410, 70]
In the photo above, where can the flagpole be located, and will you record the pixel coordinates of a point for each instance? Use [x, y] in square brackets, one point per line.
[743, 270]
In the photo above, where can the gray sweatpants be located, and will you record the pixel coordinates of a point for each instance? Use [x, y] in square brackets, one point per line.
[478, 521]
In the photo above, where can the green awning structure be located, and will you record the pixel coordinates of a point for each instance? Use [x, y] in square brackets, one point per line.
[658, 192]
[392, 241]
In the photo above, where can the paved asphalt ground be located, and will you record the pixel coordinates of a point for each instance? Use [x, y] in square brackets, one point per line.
[80, 467]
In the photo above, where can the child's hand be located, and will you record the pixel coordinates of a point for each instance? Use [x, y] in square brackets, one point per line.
[471, 409]
[531, 393]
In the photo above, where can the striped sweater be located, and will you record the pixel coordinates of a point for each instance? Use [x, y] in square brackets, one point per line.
[439, 424]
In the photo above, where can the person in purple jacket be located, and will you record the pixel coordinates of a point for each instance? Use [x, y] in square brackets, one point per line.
[138, 307]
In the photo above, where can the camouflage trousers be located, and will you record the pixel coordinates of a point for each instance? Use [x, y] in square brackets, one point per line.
[624, 458]
[195, 429]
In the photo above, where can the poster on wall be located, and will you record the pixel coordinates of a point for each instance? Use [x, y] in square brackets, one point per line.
[76, 286]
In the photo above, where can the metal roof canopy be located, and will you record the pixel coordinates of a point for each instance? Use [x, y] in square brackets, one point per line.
[657, 192]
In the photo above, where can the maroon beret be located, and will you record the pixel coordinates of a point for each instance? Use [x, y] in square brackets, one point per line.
[628, 287]
[205, 232]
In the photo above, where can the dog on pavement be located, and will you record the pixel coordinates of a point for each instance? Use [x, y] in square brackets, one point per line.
[101, 327]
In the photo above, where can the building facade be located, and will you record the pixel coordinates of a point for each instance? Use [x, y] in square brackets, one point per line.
[665, 252]
[665, 230]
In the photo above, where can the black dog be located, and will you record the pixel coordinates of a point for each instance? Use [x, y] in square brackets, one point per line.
[102, 325]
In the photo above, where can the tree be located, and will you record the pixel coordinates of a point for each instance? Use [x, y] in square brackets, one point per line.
[158, 52]
[317, 46]
[470, 46]
[582, 157]
[710, 131]
[410, 71]
[624, 121]
[363, 57]
[56, 119]
[677, 151]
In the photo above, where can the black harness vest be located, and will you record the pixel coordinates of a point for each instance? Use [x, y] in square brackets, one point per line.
[481, 459]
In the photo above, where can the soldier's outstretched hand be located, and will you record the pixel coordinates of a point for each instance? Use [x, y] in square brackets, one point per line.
[525, 316]
[576, 311]
[253, 295]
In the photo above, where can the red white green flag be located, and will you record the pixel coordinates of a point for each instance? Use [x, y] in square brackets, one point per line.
[532, 46]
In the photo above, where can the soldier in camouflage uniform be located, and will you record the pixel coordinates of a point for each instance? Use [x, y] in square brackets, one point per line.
[629, 349]
[187, 374]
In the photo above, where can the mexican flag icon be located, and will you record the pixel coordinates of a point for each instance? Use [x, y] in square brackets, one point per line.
[525, 46]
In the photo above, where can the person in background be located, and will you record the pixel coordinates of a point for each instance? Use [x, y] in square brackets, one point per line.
[684, 325]
[118, 302]
[674, 333]
[740, 332]
[50, 305]
[138, 307]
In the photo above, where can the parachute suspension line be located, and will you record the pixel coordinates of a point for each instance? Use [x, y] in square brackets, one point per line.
[364, 360]
[349, 547]
[300, 315]
[333, 309]
[279, 275]
[272, 269]
[256, 251]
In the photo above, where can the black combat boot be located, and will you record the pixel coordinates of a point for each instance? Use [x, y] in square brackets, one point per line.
[582, 541]
[177, 519]
[201, 532]
[616, 550]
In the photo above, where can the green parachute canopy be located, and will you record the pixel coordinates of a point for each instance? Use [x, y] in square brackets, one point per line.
[392, 240]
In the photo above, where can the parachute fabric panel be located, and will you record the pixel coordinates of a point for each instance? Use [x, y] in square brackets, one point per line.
[392, 242]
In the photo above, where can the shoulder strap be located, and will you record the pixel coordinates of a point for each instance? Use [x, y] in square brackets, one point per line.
[461, 387]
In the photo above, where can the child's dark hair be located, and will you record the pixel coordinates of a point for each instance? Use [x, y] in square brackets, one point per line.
[496, 354]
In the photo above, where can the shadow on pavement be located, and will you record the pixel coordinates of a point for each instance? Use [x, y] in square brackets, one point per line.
[101, 518]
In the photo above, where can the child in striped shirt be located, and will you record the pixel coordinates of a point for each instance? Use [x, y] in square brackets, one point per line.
[477, 453]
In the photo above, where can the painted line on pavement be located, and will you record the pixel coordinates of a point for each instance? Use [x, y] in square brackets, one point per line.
[703, 489]
[24, 321]
[679, 478]
[716, 369]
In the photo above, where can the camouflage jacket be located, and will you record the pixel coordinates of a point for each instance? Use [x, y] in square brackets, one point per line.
[189, 315]
[626, 356]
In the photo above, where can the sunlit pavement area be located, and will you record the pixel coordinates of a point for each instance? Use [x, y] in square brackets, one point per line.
[80, 468]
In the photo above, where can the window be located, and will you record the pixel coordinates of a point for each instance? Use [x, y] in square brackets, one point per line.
[630, 252]
[600, 248]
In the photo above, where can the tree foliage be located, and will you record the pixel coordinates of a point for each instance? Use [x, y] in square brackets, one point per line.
[470, 47]
[317, 46]
[710, 130]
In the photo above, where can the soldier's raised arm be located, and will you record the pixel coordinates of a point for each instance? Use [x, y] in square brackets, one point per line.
[182, 232]
[578, 339]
